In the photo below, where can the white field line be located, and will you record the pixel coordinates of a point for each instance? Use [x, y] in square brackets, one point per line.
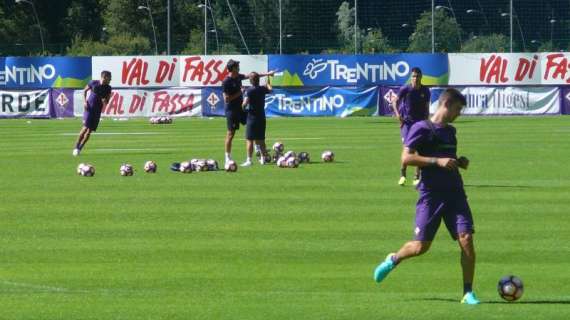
[35, 286]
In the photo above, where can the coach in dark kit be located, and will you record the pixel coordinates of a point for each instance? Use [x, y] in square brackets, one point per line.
[254, 105]
[233, 98]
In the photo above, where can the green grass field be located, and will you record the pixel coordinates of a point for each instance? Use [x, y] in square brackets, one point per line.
[270, 243]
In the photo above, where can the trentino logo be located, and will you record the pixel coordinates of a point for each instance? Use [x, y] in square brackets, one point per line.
[361, 71]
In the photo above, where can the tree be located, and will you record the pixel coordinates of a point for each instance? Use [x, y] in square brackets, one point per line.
[447, 33]
[83, 19]
[120, 44]
[375, 42]
[487, 43]
[346, 28]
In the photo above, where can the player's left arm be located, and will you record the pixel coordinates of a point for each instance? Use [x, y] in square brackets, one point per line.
[245, 102]
[411, 158]
[267, 74]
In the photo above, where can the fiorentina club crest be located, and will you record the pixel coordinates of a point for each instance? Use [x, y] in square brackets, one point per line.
[62, 100]
[390, 96]
[213, 100]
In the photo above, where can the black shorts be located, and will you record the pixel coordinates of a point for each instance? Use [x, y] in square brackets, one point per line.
[255, 129]
[234, 118]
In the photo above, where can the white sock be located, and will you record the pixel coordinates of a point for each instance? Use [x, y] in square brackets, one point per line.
[248, 159]
[257, 149]
[228, 156]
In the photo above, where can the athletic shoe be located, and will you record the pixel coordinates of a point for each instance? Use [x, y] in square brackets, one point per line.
[402, 181]
[76, 152]
[470, 298]
[384, 268]
[246, 164]
[262, 160]
[416, 181]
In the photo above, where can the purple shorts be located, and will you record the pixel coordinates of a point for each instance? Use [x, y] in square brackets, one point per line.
[452, 207]
[91, 119]
[404, 129]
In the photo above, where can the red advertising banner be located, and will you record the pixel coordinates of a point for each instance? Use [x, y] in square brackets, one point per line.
[174, 102]
[509, 69]
[172, 71]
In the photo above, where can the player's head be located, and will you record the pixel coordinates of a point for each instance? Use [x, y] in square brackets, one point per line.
[105, 77]
[233, 66]
[451, 101]
[254, 79]
[416, 78]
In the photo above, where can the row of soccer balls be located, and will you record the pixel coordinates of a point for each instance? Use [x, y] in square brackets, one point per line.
[288, 160]
[88, 170]
[160, 120]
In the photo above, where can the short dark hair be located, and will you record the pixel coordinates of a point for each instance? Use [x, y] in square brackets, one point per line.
[416, 70]
[254, 77]
[105, 73]
[453, 95]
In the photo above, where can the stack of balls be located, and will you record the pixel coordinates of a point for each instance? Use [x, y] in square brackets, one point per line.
[160, 120]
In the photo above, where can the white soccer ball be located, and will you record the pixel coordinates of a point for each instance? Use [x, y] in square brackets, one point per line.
[292, 162]
[126, 170]
[304, 157]
[150, 166]
[278, 147]
[281, 162]
[328, 156]
[290, 154]
[231, 166]
[510, 288]
[212, 165]
[200, 165]
[85, 170]
[185, 167]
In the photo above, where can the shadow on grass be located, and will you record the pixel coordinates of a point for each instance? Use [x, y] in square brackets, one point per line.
[502, 302]
[499, 186]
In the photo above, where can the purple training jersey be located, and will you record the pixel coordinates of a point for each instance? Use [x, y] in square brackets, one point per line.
[99, 92]
[414, 103]
[432, 140]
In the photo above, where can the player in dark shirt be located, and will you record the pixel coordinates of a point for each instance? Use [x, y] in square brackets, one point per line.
[96, 94]
[413, 101]
[254, 105]
[431, 145]
[233, 99]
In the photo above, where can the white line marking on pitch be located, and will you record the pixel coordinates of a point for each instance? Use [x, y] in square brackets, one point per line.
[116, 133]
[131, 149]
[34, 286]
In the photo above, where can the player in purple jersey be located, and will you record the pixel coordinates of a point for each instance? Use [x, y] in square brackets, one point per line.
[431, 145]
[233, 97]
[413, 100]
[256, 123]
[96, 94]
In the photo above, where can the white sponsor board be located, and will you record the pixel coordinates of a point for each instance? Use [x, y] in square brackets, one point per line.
[174, 102]
[28, 104]
[172, 71]
[509, 69]
[507, 100]
[210, 71]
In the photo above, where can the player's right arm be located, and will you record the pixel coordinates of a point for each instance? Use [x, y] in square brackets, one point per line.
[394, 106]
[411, 158]
[85, 92]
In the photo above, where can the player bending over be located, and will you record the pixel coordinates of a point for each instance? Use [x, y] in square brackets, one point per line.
[414, 102]
[431, 145]
[254, 105]
[99, 97]
[233, 99]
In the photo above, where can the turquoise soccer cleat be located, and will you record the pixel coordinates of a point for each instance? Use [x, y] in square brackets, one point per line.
[384, 268]
[470, 298]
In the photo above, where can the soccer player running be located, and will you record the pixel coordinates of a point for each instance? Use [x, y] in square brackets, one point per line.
[233, 97]
[254, 104]
[96, 95]
[414, 102]
[431, 145]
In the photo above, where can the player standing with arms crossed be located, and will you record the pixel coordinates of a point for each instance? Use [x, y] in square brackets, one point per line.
[256, 122]
[414, 102]
[432, 146]
[94, 103]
